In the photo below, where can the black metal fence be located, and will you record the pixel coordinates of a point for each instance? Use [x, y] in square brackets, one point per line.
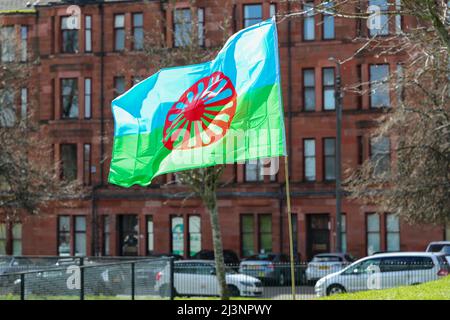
[70, 278]
[117, 278]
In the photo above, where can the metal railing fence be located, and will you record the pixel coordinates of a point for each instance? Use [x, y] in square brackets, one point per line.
[163, 278]
[84, 278]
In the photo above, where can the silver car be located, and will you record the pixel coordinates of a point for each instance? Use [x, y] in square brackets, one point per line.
[326, 263]
[383, 271]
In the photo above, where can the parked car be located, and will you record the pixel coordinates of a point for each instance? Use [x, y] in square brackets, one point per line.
[146, 270]
[326, 263]
[111, 279]
[230, 257]
[439, 246]
[384, 271]
[272, 269]
[198, 278]
[10, 266]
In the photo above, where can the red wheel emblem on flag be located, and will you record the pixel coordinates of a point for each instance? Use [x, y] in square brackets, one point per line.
[202, 115]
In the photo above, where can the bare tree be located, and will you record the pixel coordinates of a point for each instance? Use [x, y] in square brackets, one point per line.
[415, 183]
[28, 179]
[189, 48]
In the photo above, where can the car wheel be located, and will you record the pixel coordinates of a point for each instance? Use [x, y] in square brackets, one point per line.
[303, 279]
[335, 289]
[164, 291]
[281, 279]
[233, 291]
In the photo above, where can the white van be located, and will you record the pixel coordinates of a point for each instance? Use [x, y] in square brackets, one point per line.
[383, 271]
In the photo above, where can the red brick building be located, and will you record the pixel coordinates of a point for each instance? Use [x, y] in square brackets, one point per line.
[79, 71]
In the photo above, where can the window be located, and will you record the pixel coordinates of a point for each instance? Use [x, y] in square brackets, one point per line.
[69, 98]
[308, 22]
[309, 90]
[136, 80]
[88, 33]
[329, 153]
[119, 85]
[195, 235]
[2, 239]
[295, 232]
[273, 9]
[177, 230]
[344, 232]
[253, 171]
[368, 266]
[68, 161]
[247, 232]
[379, 86]
[87, 164]
[7, 108]
[23, 103]
[395, 264]
[150, 235]
[398, 17]
[138, 31]
[17, 239]
[7, 42]
[252, 14]
[359, 87]
[360, 145]
[328, 21]
[106, 235]
[69, 43]
[373, 233]
[11, 239]
[380, 155]
[201, 26]
[328, 89]
[380, 25]
[309, 159]
[182, 27]
[400, 83]
[119, 32]
[87, 98]
[64, 236]
[265, 233]
[80, 236]
[392, 232]
[23, 43]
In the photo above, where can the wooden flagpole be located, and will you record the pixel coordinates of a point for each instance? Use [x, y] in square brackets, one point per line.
[291, 242]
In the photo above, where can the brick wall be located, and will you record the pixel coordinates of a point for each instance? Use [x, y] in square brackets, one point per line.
[237, 197]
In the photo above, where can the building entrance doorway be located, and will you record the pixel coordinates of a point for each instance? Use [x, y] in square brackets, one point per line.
[318, 234]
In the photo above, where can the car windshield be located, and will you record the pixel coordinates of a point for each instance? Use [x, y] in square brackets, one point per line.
[445, 250]
[437, 247]
[230, 270]
[327, 259]
[4, 261]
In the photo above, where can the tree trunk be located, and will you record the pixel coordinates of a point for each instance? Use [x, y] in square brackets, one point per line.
[210, 200]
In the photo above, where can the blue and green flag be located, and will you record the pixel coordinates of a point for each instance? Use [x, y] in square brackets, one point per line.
[223, 111]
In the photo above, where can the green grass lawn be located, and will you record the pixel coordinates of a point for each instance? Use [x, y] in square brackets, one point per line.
[435, 290]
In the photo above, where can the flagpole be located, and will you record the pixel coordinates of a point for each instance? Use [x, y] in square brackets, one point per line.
[291, 242]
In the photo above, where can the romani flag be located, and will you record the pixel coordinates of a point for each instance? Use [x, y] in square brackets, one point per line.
[223, 111]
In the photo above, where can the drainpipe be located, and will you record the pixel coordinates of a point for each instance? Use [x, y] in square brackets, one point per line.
[95, 245]
[282, 185]
[338, 162]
